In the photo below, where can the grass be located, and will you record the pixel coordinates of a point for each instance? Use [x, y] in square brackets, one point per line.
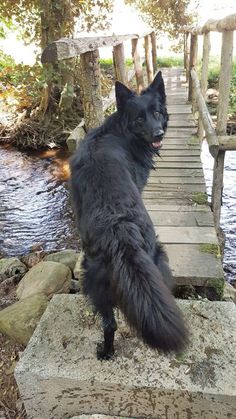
[107, 63]
[170, 61]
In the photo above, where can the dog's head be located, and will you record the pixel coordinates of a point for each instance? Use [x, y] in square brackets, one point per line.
[146, 114]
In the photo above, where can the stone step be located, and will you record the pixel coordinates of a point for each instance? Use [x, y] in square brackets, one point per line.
[60, 377]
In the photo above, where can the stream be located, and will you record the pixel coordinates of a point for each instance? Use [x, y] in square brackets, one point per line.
[35, 210]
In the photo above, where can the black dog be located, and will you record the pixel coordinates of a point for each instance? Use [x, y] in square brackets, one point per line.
[124, 265]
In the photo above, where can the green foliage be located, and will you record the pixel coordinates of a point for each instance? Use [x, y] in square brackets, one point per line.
[33, 17]
[106, 63]
[165, 15]
[213, 81]
[232, 98]
[5, 60]
[170, 61]
[21, 83]
[213, 72]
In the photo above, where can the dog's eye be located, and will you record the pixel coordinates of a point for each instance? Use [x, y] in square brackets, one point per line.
[157, 114]
[140, 119]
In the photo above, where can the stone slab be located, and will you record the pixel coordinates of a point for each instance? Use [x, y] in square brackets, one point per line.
[60, 377]
[172, 187]
[181, 219]
[190, 265]
[187, 235]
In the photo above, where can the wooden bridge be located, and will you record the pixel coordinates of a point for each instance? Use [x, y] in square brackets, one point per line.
[175, 195]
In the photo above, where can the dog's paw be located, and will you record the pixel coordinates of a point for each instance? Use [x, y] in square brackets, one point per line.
[103, 355]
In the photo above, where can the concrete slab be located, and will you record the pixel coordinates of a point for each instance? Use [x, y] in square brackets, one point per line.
[60, 377]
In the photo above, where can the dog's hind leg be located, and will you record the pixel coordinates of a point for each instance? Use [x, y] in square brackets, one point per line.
[105, 350]
[96, 286]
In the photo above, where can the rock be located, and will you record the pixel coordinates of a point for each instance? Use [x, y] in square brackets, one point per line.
[75, 138]
[32, 258]
[75, 287]
[78, 272]
[11, 267]
[59, 375]
[229, 293]
[68, 257]
[19, 320]
[97, 417]
[46, 277]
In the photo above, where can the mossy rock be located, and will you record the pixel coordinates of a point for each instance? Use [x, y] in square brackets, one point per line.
[19, 320]
[215, 289]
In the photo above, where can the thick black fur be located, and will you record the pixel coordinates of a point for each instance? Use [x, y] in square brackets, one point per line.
[124, 264]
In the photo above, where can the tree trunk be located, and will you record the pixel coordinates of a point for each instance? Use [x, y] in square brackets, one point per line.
[91, 87]
[56, 22]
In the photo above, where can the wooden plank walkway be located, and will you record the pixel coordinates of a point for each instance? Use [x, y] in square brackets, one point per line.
[172, 195]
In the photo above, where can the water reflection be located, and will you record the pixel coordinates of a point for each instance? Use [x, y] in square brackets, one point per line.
[35, 207]
[228, 210]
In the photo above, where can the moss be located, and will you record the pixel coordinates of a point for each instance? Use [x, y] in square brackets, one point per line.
[180, 357]
[212, 248]
[217, 284]
[185, 292]
[199, 198]
[193, 141]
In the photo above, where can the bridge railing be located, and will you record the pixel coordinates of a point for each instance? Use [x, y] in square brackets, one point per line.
[87, 48]
[218, 140]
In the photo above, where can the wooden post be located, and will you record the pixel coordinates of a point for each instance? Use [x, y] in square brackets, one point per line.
[224, 82]
[185, 50]
[154, 52]
[205, 62]
[221, 127]
[192, 63]
[204, 75]
[119, 63]
[137, 65]
[212, 139]
[91, 88]
[148, 58]
[187, 55]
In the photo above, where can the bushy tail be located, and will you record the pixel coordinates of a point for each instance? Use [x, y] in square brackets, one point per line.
[146, 301]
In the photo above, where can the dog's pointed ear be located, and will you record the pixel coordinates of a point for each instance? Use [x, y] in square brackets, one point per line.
[123, 93]
[158, 84]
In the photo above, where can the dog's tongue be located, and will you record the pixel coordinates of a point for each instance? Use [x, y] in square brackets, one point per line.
[157, 144]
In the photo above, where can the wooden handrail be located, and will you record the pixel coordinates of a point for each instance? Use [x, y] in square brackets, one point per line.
[218, 141]
[211, 136]
[227, 142]
[66, 48]
[228, 23]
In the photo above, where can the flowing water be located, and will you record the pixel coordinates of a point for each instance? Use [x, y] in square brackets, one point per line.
[35, 210]
[228, 209]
